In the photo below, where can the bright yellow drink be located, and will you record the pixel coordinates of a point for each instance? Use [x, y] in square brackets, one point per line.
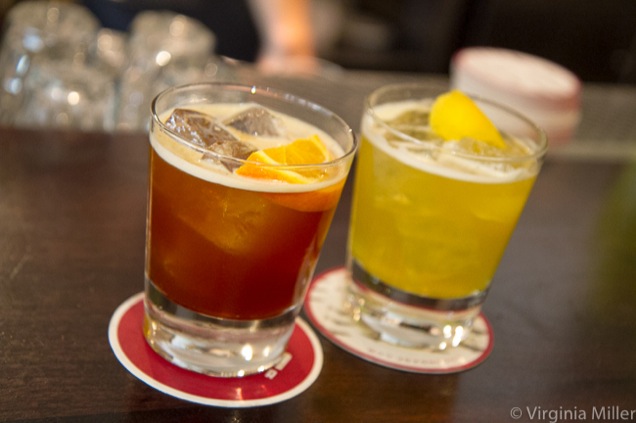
[427, 233]
[441, 181]
[432, 217]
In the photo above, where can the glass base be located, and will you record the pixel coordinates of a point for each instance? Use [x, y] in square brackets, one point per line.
[406, 319]
[214, 346]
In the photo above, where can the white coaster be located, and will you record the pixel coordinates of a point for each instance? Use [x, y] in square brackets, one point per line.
[323, 307]
[297, 371]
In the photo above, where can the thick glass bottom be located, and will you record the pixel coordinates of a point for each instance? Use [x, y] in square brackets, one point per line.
[214, 346]
[406, 319]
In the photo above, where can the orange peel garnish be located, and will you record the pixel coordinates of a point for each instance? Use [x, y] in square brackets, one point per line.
[454, 116]
[277, 164]
[270, 163]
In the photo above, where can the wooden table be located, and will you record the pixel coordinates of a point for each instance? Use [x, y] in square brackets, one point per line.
[562, 306]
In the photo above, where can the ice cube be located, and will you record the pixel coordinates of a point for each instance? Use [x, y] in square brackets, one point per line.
[476, 147]
[237, 150]
[413, 147]
[411, 118]
[416, 132]
[205, 131]
[413, 123]
[256, 121]
[199, 128]
[457, 154]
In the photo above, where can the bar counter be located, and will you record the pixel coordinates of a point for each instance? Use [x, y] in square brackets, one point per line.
[562, 305]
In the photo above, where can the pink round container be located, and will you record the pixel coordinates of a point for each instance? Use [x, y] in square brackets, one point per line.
[545, 92]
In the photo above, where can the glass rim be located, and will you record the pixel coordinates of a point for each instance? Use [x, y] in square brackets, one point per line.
[540, 138]
[271, 93]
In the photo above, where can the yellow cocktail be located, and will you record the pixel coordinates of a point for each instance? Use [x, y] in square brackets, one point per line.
[432, 216]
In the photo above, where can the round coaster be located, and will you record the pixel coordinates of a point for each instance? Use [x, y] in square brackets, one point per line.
[298, 369]
[322, 306]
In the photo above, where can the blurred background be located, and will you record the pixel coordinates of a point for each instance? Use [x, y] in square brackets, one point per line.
[596, 39]
[96, 64]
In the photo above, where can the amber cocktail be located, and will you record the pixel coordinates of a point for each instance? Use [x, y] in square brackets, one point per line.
[244, 183]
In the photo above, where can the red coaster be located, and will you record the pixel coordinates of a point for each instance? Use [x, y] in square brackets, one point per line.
[296, 372]
[323, 306]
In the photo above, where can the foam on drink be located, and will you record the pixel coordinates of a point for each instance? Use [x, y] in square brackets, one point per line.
[448, 158]
[190, 158]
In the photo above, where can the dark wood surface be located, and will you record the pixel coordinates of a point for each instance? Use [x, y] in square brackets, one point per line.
[562, 305]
